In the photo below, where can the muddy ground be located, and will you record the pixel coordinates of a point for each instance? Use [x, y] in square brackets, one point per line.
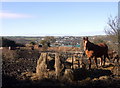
[17, 62]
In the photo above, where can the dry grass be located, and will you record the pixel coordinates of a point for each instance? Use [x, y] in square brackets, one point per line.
[63, 49]
[19, 71]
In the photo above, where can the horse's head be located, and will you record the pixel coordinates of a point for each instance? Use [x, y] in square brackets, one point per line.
[85, 41]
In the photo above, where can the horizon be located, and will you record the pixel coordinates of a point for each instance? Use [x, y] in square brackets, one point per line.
[56, 18]
[55, 36]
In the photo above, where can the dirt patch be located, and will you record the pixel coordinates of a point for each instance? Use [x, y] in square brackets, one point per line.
[20, 72]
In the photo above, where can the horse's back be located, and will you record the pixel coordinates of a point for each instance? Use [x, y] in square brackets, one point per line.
[103, 47]
[99, 50]
[102, 44]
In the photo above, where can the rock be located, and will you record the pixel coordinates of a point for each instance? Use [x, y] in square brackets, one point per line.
[42, 64]
[68, 75]
[116, 70]
[35, 77]
[95, 79]
[28, 74]
[58, 65]
[103, 77]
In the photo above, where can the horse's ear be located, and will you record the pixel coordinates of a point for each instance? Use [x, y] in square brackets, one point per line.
[83, 38]
[86, 38]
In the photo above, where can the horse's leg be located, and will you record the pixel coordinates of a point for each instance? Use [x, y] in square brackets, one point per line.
[104, 60]
[107, 56]
[118, 60]
[89, 61]
[101, 60]
[96, 62]
[113, 59]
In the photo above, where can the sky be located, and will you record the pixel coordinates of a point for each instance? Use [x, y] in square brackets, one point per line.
[55, 18]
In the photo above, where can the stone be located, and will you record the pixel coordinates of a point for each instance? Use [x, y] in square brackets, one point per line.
[103, 77]
[68, 75]
[58, 65]
[42, 64]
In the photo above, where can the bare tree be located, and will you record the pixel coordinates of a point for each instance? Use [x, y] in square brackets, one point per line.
[113, 31]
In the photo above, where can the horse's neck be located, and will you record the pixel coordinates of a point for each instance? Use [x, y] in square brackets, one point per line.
[91, 45]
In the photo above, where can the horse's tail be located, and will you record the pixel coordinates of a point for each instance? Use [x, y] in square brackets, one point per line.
[106, 52]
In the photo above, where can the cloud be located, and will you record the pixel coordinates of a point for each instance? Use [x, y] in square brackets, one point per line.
[13, 15]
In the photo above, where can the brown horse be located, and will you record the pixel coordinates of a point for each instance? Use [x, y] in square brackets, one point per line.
[94, 51]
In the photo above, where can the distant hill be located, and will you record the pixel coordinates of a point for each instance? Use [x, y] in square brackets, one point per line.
[37, 39]
[23, 39]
